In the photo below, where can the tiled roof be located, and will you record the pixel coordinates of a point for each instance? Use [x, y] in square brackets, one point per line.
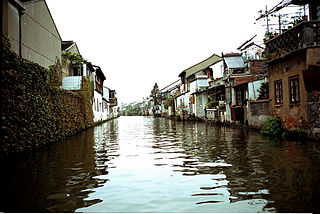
[202, 65]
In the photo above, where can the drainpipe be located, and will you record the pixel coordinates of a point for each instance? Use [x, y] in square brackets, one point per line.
[20, 34]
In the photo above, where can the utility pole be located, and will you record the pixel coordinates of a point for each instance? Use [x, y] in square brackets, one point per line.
[279, 24]
[267, 18]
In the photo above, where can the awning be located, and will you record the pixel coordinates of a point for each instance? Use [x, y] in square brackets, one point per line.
[234, 62]
[246, 79]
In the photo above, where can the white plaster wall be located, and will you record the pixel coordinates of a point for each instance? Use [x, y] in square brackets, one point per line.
[97, 107]
[228, 107]
[253, 89]
[201, 101]
[217, 70]
[193, 87]
[114, 112]
[105, 113]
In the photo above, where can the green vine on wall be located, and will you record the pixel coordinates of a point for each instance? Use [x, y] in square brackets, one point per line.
[34, 110]
[75, 58]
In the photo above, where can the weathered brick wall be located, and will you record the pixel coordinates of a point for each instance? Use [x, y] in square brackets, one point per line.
[257, 66]
[313, 106]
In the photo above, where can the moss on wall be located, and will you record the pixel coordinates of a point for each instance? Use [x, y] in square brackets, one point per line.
[34, 110]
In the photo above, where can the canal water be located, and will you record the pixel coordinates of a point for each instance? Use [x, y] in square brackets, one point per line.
[146, 164]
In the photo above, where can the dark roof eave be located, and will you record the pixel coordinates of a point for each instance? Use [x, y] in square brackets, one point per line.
[215, 62]
[100, 73]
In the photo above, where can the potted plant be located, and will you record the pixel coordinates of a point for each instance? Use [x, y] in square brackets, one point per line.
[268, 35]
[212, 103]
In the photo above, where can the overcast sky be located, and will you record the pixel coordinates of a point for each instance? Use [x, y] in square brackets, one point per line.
[140, 42]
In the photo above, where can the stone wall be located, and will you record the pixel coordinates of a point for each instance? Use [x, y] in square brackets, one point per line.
[313, 106]
[258, 113]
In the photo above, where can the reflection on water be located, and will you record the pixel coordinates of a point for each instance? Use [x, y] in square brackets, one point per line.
[145, 164]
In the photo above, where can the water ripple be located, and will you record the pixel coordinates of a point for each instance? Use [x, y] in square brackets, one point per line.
[146, 164]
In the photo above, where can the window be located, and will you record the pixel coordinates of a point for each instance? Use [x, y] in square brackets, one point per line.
[278, 92]
[294, 94]
[210, 73]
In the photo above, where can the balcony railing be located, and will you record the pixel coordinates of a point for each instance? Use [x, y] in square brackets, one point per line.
[305, 34]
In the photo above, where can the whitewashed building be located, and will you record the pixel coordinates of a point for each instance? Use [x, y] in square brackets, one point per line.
[97, 108]
[105, 103]
[193, 90]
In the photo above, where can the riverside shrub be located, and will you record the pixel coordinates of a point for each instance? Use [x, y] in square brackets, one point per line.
[273, 128]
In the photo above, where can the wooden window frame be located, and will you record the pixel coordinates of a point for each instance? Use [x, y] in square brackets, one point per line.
[294, 90]
[278, 92]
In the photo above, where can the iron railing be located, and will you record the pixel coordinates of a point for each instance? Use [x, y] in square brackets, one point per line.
[303, 35]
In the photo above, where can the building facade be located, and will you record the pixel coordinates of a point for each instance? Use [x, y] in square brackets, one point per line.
[294, 77]
[31, 30]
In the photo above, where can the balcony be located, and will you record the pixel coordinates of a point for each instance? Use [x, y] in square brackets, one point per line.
[98, 87]
[113, 102]
[303, 35]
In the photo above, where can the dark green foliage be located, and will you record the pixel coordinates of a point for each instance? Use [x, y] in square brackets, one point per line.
[132, 109]
[263, 90]
[75, 58]
[273, 128]
[34, 111]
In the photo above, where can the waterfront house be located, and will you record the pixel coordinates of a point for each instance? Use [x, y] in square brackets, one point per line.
[113, 105]
[257, 108]
[105, 103]
[236, 94]
[97, 107]
[244, 74]
[144, 108]
[256, 112]
[199, 96]
[216, 92]
[74, 67]
[168, 95]
[72, 62]
[194, 81]
[31, 30]
[294, 69]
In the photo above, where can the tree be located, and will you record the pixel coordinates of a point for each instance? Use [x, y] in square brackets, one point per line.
[131, 109]
[155, 93]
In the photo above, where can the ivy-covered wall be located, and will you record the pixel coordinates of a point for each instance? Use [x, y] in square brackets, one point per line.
[34, 110]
